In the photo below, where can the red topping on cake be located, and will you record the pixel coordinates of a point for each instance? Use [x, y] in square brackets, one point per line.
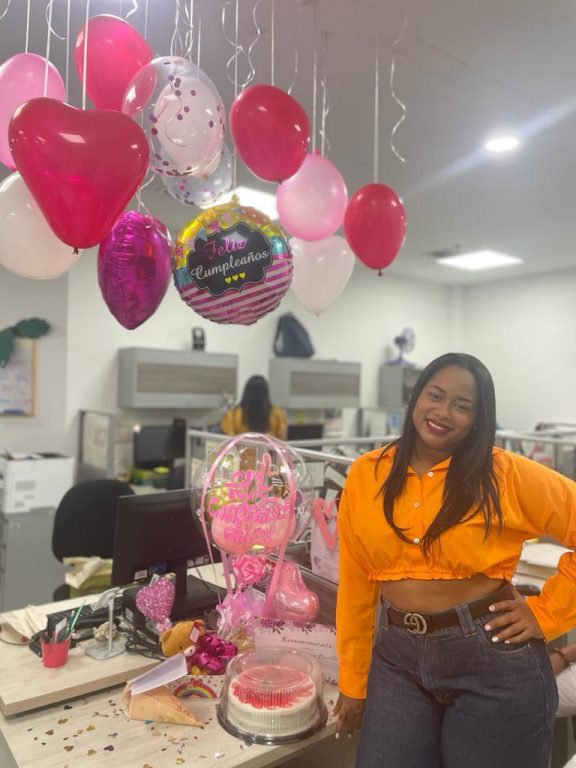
[269, 687]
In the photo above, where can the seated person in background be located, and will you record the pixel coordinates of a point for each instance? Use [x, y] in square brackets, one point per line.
[255, 413]
[563, 662]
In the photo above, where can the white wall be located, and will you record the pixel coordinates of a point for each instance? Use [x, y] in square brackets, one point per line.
[525, 332]
[359, 327]
[47, 299]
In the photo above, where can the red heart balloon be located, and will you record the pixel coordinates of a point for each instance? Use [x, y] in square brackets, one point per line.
[81, 166]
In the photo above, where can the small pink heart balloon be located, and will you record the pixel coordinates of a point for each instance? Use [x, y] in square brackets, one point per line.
[292, 600]
[156, 601]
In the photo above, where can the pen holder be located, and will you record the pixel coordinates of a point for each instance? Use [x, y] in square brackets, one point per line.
[55, 654]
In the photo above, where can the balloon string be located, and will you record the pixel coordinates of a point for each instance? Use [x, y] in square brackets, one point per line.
[48, 38]
[133, 9]
[85, 75]
[49, 22]
[239, 49]
[146, 20]
[235, 79]
[141, 188]
[393, 92]
[6, 9]
[296, 50]
[68, 48]
[272, 39]
[252, 70]
[315, 81]
[176, 37]
[189, 39]
[325, 107]
[376, 114]
[27, 25]
[199, 41]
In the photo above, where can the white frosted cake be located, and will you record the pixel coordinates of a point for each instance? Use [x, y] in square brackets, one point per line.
[272, 700]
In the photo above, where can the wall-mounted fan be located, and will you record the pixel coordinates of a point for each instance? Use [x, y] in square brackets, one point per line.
[405, 342]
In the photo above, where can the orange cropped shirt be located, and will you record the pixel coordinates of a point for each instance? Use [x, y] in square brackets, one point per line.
[534, 501]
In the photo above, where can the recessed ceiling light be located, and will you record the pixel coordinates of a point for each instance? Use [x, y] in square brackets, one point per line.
[505, 143]
[479, 260]
[254, 198]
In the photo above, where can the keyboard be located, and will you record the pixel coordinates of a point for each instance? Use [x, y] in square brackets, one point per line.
[87, 619]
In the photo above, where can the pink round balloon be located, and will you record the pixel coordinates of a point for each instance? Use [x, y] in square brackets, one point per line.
[134, 268]
[311, 204]
[21, 79]
[292, 600]
[116, 51]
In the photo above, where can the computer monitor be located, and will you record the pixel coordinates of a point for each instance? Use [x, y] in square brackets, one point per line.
[160, 533]
[159, 445]
[305, 432]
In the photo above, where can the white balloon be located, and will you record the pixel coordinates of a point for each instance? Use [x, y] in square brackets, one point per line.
[321, 269]
[28, 246]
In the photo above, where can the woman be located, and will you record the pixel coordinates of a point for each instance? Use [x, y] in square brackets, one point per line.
[255, 412]
[433, 525]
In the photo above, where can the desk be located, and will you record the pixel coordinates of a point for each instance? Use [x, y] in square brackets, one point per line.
[90, 730]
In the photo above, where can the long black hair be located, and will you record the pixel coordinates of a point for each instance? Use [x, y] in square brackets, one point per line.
[256, 404]
[470, 486]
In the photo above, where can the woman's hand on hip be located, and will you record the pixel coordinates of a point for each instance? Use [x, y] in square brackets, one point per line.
[350, 712]
[513, 621]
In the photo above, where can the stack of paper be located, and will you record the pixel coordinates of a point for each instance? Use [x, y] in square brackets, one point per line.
[540, 560]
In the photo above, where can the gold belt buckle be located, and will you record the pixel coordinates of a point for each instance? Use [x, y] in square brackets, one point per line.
[416, 623]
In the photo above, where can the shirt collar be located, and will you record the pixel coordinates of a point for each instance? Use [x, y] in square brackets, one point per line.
[387, 454]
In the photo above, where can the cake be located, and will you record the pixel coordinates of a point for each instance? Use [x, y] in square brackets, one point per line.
[272, 700]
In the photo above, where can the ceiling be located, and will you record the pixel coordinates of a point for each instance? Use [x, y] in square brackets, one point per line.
[463, 70]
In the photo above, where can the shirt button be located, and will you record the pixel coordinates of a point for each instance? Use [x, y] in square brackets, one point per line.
[430, 474]
[416, 540]
[416, 503]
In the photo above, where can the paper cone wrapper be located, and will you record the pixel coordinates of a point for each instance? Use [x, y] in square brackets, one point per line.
[157, 704]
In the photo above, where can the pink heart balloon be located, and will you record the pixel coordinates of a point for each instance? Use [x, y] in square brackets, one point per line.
[156, 600]
[82, 167]
[293, 601]
[324, 512]
[134, 268]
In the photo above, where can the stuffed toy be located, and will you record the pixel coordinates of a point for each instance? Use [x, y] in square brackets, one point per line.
[183, 638]
[205, 652]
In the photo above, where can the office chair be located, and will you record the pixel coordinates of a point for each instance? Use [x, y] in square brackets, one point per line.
[85, 521]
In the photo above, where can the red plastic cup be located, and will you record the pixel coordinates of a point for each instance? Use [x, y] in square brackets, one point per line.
[55, 654]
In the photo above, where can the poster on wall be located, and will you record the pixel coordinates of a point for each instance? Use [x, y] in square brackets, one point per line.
[17, 380]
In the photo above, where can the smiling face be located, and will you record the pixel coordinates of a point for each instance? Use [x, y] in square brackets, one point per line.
[444, 413]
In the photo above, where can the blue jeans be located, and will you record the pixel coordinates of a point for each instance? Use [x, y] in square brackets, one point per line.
[454, 699]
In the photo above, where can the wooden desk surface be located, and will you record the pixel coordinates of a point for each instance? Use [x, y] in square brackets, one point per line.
[93, 732]
[90, 730]
[25, 684]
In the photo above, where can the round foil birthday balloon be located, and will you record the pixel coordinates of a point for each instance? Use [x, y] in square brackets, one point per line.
[202, 190]
[134, 268]
[232, 264]
[182, 115]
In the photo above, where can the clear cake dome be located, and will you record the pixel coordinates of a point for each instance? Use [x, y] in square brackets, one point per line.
[272, 696]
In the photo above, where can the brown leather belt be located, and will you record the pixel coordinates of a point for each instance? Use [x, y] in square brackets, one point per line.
[423, 623]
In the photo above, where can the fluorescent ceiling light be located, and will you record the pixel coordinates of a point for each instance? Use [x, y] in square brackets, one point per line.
[479, 260]
[253, 198]
[504, 143]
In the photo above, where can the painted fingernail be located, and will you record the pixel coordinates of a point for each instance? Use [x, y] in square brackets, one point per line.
[495, 639]
[492, 608]
[506, 642]
[487, 627]
[349, 735]
[336, 735]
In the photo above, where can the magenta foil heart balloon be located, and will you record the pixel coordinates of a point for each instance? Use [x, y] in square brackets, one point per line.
[156, 601]
[293, 601]
[134, 268]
